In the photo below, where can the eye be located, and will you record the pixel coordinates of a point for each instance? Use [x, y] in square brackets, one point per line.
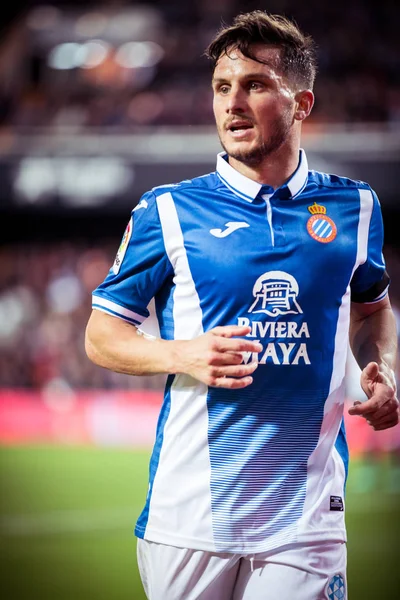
[223, 89]
[255, 85]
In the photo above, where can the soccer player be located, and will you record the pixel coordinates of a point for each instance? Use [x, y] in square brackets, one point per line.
[260, 272]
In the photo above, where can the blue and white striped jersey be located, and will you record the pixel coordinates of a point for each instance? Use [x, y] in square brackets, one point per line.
[252, 469]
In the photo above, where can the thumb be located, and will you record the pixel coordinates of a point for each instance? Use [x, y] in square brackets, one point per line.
[368, 377]
[370, 372]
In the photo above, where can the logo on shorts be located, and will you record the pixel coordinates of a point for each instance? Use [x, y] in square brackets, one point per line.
[336, 588]
[336, 503]
[320, 226]
[275, 293]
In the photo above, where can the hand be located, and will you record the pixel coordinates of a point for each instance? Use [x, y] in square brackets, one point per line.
[381, 410]
[216, 359]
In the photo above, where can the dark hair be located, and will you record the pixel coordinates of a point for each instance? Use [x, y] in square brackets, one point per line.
[298, 53]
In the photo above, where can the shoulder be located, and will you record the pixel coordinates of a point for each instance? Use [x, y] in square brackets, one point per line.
[161, 197]
[336, 182]
[210, 181]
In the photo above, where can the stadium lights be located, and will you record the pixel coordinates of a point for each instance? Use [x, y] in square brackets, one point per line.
[64, 56]
[134, 55]
[43, 18]
[93, 53]
[91, 24]
[71, 55]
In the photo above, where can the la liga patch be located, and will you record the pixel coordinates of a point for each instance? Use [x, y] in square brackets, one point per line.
[122, 248]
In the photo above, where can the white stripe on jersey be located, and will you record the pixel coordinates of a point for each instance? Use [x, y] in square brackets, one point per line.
[366, 206]
[184, 464]
[116, 310]
[186, 300]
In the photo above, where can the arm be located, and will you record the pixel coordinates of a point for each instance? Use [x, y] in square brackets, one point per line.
[214, 358]
[373, 340]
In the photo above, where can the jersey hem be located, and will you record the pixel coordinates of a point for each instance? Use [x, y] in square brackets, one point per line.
[329, 535]
[107, 305]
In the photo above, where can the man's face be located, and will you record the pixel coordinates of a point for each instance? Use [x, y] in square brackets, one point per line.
[254, 104]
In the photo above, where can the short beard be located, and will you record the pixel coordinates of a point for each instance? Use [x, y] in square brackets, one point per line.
[255, 157]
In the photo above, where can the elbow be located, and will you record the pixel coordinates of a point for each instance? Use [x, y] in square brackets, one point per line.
[89, 349]
[92, 349]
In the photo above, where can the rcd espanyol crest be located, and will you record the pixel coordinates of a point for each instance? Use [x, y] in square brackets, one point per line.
[275, 293]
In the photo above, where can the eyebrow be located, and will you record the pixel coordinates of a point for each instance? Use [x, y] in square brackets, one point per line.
[256, 75]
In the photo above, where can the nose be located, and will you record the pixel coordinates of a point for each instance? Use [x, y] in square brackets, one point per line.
[236, 101]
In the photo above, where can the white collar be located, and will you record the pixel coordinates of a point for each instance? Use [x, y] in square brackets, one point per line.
[248, 189]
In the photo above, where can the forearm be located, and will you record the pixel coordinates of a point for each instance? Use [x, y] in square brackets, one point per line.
[215, 357]
[373, 337]
[116, 345]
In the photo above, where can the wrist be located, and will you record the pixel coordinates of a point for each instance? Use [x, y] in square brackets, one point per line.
[176, 356]
[388, 372]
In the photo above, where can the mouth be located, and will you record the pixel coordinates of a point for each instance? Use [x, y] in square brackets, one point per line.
[240, 132]
[239, 127]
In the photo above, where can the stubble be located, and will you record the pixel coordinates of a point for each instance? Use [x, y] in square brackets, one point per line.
[265, 148]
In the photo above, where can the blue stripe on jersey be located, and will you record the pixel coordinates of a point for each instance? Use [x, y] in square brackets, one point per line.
[155, 457]
[259, 448]
[342, 448]
[165, 312]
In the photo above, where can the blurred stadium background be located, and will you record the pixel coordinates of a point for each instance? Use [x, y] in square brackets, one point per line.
[100, 101]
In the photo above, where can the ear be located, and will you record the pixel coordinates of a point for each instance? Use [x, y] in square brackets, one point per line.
[305, 102]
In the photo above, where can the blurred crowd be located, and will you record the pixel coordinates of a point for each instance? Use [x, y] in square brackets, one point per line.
[128, 86]
[45, 302]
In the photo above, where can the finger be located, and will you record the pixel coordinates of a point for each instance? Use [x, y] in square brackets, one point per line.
[371, 405]
[367, 411]
[390, 421]
[358, 411]
[227, 358]
[236, 345]
[234, 370]
[389, 408]
[232, 383]
[230, 330]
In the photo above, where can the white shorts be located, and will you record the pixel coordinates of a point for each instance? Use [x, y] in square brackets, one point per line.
[294, 572]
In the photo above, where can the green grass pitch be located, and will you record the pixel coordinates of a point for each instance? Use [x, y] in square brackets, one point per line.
[67, 517]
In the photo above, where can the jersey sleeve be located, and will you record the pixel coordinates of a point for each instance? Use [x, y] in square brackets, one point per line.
[140, 268]
[370, 281]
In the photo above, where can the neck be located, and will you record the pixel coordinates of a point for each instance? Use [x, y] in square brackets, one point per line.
[275, 169]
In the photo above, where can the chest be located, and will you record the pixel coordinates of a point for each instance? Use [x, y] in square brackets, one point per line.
[230, 246]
